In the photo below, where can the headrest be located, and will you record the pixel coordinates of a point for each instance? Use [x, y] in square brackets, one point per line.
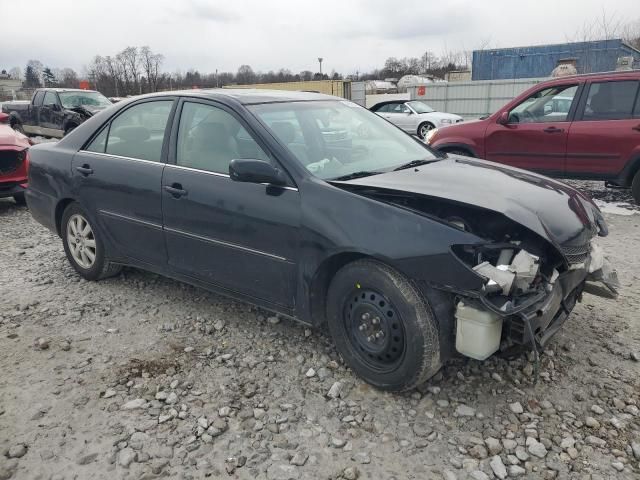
[285, 131]
[132, 133]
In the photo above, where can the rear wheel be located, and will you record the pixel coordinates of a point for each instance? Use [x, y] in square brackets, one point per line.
[19, 199]
[424, 129]
[69, 129]
[382, 326]
[635, 187]
[83, 245]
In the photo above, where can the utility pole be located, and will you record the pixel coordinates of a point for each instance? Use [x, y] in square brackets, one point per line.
[320, 62]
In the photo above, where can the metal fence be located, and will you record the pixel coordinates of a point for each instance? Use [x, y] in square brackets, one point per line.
[472, 99]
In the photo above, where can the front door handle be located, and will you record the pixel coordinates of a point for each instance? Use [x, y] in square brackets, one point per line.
[175, 189]
[637, 127]
[553, 130]
[85, 170]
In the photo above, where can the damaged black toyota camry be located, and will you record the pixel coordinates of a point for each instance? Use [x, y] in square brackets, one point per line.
[315, 208]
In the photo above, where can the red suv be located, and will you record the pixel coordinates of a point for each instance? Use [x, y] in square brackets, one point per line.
[583, 126]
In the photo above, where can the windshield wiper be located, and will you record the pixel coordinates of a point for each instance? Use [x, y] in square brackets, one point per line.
[354, 175]
[412, 163]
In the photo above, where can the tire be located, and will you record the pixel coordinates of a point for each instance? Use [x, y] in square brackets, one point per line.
[69, 129]
[408, 351]
[424, 129]
[90, 243]
[17, 126]
[635, 187]
[19, 199]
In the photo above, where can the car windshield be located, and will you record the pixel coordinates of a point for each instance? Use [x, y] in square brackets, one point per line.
[83, 99]
[335, 139]
[420, 107]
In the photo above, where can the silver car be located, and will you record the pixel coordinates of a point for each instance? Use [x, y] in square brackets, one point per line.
[414, 117]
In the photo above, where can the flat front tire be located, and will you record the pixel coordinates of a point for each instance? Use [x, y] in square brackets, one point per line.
[83, 246]
[382, 326]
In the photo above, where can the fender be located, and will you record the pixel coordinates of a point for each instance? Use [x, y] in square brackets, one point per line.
[464, 145]
[625, 177]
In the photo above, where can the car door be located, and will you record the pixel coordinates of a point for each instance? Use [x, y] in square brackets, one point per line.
[117, 178]
[51, 115]
[31, 123]
[239, 236]
[606, 132]
[401, 116]
[535, 135]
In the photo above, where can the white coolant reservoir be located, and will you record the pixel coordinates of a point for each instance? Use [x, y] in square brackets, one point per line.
[478, 331]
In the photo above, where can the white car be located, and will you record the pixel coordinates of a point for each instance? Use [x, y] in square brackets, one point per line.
[414, 116]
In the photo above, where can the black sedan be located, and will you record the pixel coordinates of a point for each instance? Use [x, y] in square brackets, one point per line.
[315, 208]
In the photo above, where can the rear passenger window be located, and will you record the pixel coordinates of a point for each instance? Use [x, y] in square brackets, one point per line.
[100, 142]
[209, 138]
[610, 100]
[139, 131]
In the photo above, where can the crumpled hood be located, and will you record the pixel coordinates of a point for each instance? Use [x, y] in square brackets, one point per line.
[87, 109]
[553, 210]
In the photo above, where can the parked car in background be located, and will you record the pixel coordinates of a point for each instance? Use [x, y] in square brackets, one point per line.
[583, 126]
[403, 255]
[414, 117]
[14, 161]
[54, 112]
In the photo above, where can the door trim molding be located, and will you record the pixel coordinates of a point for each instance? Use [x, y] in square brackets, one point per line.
[225, 244]
[107, 213]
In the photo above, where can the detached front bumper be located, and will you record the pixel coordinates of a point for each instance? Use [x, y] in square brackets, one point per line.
[547, 316]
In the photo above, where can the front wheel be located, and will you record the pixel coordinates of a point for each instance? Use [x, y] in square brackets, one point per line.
[19, 199]
[17, 126]
[83, 245]
[382, 326]
[424, 129]
[635, 187]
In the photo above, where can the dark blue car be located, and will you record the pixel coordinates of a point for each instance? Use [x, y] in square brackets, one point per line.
[313, 207]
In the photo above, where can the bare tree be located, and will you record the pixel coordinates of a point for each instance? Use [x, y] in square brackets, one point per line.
[151, 63]
[131, 60]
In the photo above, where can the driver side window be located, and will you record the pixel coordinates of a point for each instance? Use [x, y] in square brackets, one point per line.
[548, 105]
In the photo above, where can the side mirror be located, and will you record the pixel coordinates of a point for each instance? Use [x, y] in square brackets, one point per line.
[504, 118]
[255, 171]
[4, 117]
[55, 107]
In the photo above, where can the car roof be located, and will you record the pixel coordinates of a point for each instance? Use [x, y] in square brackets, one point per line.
[59, 90]
[617, 75]
[391, 102]
[250, 96]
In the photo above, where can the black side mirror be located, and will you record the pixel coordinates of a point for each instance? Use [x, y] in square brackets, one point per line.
[256, 171]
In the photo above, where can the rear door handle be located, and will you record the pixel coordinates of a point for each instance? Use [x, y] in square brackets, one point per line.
[175, 189]
[85, 170]
[553, 130]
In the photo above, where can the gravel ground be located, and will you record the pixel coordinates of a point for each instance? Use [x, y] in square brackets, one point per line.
[143, 377]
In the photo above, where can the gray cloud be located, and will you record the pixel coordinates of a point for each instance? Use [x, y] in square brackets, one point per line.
[350, 35]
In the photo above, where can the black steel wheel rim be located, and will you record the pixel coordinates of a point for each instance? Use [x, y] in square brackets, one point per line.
[375, 330]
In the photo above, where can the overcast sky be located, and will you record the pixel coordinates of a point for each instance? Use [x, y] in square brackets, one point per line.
[270, 34]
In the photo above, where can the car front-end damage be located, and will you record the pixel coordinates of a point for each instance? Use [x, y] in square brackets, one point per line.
[535, 253]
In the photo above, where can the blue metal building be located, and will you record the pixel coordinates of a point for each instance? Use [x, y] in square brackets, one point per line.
[539, 61]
